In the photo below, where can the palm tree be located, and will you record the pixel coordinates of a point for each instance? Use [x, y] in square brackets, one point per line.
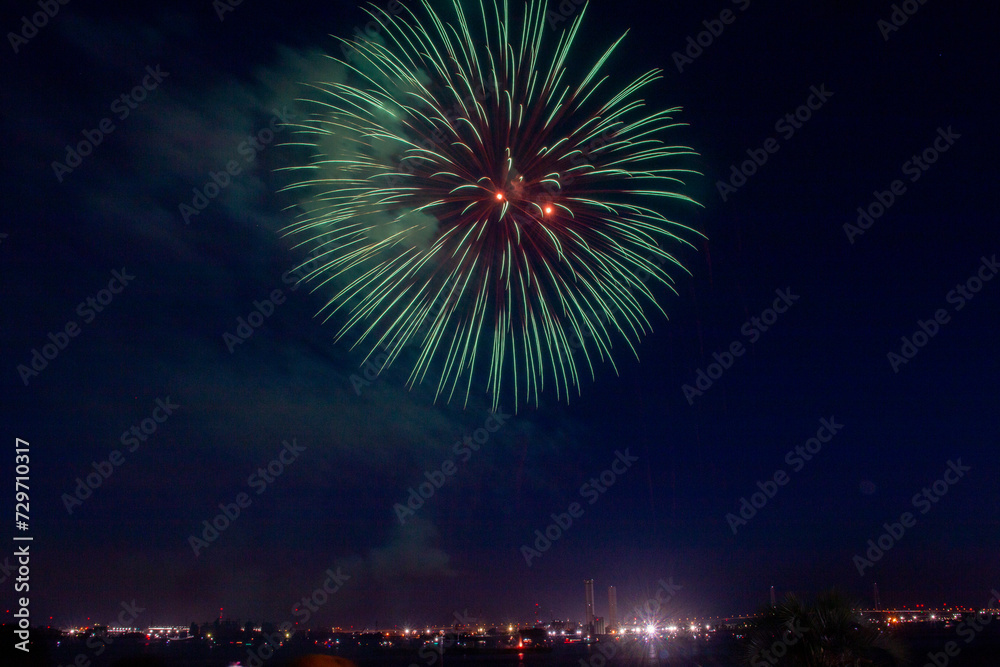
[828, 633]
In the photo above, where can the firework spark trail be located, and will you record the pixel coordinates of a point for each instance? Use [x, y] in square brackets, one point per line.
[454, 164]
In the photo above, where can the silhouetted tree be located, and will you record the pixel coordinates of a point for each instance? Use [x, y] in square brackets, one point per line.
[828, 633]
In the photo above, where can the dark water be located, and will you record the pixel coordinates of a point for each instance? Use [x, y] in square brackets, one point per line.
[926, 648]
[674, 654]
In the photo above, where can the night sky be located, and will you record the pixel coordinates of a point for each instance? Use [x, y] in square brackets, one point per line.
[819, 369]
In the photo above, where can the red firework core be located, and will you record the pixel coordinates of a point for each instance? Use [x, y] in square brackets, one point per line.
[525, 199]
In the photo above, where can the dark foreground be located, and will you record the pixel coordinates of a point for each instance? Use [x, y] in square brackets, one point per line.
[927, 646]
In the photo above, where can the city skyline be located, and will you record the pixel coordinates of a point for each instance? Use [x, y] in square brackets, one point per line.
[682, 624]
[653, 611]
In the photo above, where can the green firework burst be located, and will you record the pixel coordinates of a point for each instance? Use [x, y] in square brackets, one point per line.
[470, 205]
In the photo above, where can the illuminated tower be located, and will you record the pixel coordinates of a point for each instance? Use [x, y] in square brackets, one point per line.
[588, 587]
[612, 608]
